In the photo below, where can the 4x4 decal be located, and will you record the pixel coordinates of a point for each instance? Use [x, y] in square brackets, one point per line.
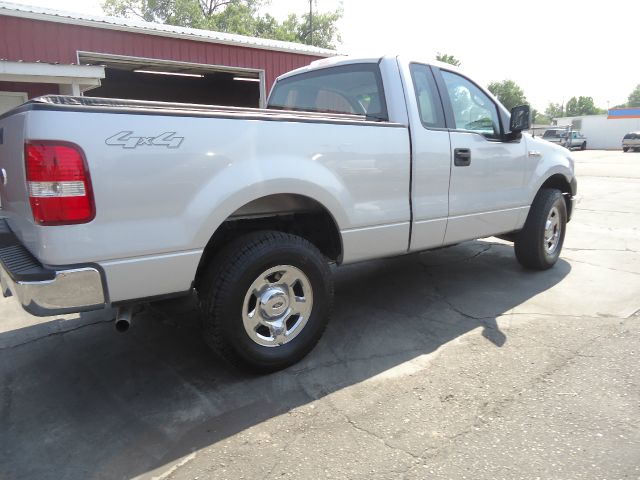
[126, 139]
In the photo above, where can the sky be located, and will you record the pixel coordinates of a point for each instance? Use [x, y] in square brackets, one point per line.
[554, 50]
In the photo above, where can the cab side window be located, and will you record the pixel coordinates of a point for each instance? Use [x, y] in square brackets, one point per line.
[351, 89]
[427, 98]
[473, 110]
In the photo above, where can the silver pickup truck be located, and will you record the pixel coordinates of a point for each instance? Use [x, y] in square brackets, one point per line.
[566, 137]
[108, 203]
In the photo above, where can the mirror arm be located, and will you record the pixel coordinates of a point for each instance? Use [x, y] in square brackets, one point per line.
[512, 136]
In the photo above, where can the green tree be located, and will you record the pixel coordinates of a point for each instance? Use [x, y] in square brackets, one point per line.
[232, 16]
[554, 110]
[450, 59]
[634, 97]
[509, 93]
[540, 118]
[581, 106]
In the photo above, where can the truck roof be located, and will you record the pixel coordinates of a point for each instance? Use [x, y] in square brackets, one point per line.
[349, 60]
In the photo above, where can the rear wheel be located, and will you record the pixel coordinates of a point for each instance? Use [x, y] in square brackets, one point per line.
[539, 243]
[625, 149]
[265, 300]
[583, 146]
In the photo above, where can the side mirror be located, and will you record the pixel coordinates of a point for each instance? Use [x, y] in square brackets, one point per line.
[520, 118]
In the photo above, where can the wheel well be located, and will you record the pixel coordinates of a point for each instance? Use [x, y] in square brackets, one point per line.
[559, 182]
[289, 213]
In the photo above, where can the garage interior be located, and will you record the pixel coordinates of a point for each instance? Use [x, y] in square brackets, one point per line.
[168, 81]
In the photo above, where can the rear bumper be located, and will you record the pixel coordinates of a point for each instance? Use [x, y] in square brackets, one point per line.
[43, 291]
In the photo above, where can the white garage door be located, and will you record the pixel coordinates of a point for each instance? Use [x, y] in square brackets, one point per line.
[9, 100]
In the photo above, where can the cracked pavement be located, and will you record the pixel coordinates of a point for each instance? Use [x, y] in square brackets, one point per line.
[454, 363]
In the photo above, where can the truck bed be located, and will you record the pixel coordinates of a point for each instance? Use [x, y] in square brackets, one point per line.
[144, 107]
[165, 176]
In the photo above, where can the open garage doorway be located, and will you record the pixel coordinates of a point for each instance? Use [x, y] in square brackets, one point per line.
[169, 81]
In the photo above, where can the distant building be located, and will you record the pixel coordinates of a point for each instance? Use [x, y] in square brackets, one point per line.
[605, 131]
[44, 51]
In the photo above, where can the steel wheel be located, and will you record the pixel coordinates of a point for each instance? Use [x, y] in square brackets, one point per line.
[277, 306]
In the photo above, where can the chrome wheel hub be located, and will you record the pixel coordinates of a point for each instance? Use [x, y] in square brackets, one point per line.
[552, 231]
[273, 302]
[277, 306]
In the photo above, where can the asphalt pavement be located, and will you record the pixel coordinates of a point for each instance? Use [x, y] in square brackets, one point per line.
[449, 364]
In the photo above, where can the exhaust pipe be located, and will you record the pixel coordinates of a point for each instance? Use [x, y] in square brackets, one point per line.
[123, 318]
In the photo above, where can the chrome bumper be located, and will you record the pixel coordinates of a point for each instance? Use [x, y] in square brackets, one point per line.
[70, 291]
[43, 291]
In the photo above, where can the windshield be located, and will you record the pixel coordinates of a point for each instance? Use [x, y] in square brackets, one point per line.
[553, 133]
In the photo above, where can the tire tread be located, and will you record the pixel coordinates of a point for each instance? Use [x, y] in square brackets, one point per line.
[218, 282]
[527, 246]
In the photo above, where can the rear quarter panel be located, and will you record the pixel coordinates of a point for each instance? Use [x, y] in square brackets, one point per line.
[153, 200]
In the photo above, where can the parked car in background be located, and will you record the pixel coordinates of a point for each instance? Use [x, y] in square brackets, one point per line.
[555, 135]
[565, 137]
[631, 141]
[576, 140]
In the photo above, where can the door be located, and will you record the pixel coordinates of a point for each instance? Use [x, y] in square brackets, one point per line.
[486, 194]
[431, 157]
[9, 100]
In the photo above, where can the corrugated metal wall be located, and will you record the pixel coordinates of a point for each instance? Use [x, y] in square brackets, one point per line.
[31, 89]
[41, 41]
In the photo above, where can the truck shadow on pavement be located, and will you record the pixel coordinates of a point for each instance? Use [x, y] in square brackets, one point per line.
[92, 403]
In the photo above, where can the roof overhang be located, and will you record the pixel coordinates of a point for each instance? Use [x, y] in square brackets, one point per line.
[49, 73]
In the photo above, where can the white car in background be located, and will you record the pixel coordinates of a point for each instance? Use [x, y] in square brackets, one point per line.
[631, 141]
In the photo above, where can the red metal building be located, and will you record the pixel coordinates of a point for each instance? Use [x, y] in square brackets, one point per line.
[45, 51]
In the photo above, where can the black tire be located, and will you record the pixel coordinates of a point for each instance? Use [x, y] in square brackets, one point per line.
[625, 149]
[530, 246]
[223, 293]
[583, 146]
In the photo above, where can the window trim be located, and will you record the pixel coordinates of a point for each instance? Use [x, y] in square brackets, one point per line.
[353, 67]
[436, 92]
[449, 116]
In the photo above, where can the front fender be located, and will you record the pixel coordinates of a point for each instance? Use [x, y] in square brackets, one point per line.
[551, 160]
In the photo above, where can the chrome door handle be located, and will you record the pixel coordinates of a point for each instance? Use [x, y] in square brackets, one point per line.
[534, 153]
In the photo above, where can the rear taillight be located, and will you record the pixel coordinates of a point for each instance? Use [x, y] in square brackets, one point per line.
[58, 183]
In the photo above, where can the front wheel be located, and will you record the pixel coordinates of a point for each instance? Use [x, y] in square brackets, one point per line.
[539, 243]
[625, 149]
[583, 146]
[265, 300]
